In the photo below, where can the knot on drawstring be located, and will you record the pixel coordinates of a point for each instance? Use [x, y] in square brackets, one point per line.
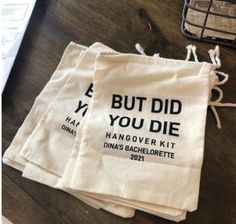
[191, 49]
[139, 49]
[215, 58]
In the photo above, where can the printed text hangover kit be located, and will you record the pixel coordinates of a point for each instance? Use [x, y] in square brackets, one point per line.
[130, 132]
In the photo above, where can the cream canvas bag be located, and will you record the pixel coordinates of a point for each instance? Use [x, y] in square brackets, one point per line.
[146, 147]
[34, 172]
[161, 211]
[49, 146]
[67, 64]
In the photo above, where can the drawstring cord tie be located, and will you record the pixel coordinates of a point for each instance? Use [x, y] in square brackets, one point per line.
[215, 58]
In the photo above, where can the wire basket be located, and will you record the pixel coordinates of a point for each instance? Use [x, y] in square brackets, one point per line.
[210, 20]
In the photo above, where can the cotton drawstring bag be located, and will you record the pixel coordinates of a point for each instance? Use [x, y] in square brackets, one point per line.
[67, 64]
[49, 146]
[69, 171]
[144, 146]
[36, 173]
[130, 204]
[31, 164]
[172, 212]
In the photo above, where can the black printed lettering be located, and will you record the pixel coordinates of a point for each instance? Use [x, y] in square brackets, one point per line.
[175, 107]
[116, 101]
[89, 91]
[156, 105]
[174, 127]
[81, 106]
[112, 119]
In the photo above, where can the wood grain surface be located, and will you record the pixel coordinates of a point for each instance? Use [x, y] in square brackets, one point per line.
[119, 24]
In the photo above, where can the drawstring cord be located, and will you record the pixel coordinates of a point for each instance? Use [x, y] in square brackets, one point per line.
[139, 49]
[194, 48]
[215, 58]
[191, 49]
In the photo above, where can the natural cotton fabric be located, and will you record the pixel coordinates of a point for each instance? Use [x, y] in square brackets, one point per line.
[67, 64]
[139, 141]
[134, 139]
[39, 173]
[65, 184]
[49, 146]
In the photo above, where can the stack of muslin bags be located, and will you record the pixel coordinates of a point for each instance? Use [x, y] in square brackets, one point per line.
[121, 131]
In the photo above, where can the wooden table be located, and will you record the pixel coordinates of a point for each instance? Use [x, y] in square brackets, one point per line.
[116, 23]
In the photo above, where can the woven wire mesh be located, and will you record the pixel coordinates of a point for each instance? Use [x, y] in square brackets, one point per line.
[210, 20]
